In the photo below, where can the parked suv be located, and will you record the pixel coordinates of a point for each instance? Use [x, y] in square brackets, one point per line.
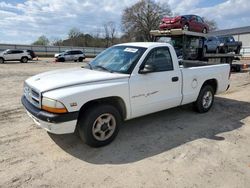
[15, 55]
[70, 55]
[186, 22]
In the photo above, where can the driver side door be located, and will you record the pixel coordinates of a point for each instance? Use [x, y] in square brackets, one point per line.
[156, 90]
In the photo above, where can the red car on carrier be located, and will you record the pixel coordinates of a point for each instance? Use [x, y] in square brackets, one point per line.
[186, 22]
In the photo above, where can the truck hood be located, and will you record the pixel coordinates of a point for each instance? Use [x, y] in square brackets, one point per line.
[67, 77]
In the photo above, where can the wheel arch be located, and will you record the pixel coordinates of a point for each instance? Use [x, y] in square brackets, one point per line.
[212, 82]
[115, 101]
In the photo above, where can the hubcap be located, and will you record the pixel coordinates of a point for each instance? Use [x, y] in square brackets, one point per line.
[207, 99]
[185, 27]
[104, 127]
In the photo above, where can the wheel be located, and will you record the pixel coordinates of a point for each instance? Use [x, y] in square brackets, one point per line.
[61, 59]
[217, 50]
[24, 60]
[204, 30]
[237, 51]
[186, 27]
[1, 60]
[80, 59]
[99, 125]
[205, 99]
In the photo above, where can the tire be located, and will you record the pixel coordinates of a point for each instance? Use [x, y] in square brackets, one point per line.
[24, 60]
[1, 60]
[90, 130]
[205, 99]
[185, 27]
[204, 30]
[80, 59]
[237, 51]
[61, 59]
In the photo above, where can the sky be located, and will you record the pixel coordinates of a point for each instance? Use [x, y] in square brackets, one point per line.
[23, 21]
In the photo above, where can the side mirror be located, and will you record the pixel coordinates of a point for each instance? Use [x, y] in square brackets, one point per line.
[147, 69]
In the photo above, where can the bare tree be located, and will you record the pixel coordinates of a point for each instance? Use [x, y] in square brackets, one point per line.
[109, 32]
[140, 18]
[211, 23]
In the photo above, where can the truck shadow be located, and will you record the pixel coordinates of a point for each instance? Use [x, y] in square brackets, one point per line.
[157, 133]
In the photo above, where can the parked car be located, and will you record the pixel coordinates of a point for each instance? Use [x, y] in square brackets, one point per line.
[228, 44]
[123, 82]
[70, 55]
[212, 44]
[15, 55]
[186, 22]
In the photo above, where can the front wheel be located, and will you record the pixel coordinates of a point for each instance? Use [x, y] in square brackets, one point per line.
[205, 99]
[1, 60]
[99, 125]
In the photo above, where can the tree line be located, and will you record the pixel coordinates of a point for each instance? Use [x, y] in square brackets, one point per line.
[137, 21]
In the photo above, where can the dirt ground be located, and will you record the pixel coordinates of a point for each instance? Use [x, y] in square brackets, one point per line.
[173, 148]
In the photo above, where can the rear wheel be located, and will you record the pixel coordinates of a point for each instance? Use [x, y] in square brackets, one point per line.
[205, 99]
[24, 60]
[185, 27]
[80, 59]
[1, 60]
[99, 125]
[204, 30]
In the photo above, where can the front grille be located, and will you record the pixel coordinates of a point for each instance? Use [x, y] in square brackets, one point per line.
[32, 95]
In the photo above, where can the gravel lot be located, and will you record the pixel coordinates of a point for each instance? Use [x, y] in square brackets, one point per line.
[172, 148]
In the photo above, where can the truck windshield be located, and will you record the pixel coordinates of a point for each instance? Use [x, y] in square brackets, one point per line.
[120, 59]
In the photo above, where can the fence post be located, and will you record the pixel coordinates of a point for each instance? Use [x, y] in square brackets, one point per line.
[46, 54]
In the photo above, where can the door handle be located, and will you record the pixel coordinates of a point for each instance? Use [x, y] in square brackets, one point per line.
[175, 79]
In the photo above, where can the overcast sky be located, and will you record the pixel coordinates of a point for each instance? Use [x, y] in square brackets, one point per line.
[23, 21]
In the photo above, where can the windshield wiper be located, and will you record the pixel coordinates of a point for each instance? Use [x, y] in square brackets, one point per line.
[103, 68]
[90, 66]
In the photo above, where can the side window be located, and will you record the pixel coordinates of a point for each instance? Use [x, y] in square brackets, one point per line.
[199, 19]
[160, 59]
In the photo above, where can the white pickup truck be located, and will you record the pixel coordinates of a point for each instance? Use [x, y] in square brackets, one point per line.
[123, 82]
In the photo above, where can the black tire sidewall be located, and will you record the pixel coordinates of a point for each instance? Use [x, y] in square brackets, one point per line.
[24, 58]
[2, 60]
[80, 59]
[198, 104]
[87, 119]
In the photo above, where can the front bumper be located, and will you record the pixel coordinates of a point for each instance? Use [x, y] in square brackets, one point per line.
[54, 123]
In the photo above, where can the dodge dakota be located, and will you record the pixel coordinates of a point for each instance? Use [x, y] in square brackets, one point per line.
[123, 82]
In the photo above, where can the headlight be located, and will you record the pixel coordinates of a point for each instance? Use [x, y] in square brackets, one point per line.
[221, 44]
[54, 106]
